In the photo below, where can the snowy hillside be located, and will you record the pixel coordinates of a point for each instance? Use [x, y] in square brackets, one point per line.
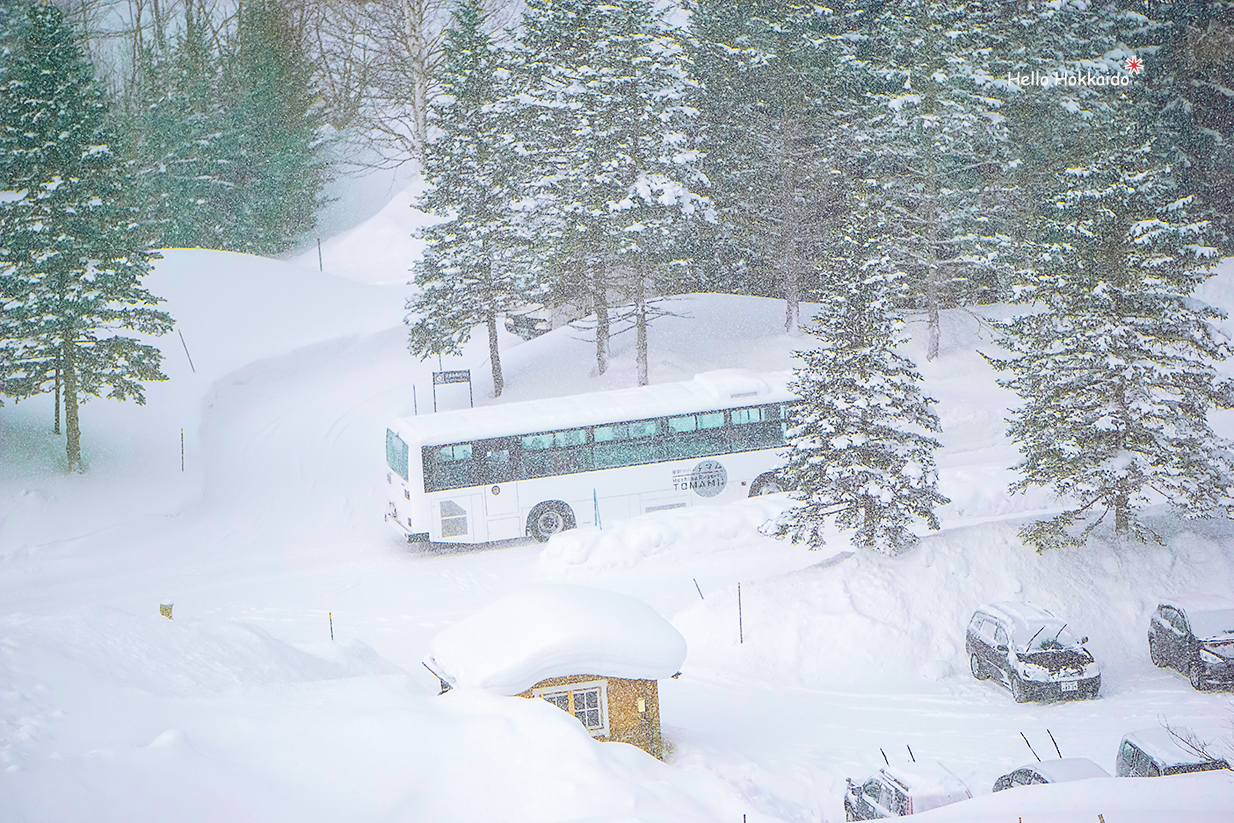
[244, 708]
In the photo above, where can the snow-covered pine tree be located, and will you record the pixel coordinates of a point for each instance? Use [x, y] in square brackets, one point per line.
[72, 254]
[183, 138]
[780, 95]
[860, 448]
[1189, 77]
[935, 148]
[469, 274]
[609, 82]
[1113, 358]
[275, 170]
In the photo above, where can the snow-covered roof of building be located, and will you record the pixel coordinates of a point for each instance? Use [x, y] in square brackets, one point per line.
[556, 631]
[721, 389]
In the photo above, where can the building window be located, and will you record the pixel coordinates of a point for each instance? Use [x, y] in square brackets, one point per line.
[586, 701]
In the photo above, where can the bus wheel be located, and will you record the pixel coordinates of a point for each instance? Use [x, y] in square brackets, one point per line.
[549, 518]
[765, 483]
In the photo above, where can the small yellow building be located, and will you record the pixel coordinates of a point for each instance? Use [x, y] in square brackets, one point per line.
[595, 654]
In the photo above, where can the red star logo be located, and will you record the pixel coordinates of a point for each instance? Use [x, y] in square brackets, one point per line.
[1134, 65]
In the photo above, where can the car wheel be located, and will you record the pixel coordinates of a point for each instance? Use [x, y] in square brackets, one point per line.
[1197, 677]
[1155, 654]
[766, 483]
[1018, 691]
[549, 518]
[974, 664]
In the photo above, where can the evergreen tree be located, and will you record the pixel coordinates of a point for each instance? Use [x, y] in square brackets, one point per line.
[1188, 77]
[610, 92]
[935, 147]
[1114, 359]
[780, 97]
[859, 448]
[469, 274]
[183, 139]
[72, 254]
[274, 173]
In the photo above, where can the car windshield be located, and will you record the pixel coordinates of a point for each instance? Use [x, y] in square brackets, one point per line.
[1213, 625]
[1045, 637]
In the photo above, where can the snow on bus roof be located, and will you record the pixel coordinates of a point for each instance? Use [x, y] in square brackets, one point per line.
[723, 389]
[556, 630]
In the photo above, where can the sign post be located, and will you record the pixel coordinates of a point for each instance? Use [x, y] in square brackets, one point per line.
[442, 378]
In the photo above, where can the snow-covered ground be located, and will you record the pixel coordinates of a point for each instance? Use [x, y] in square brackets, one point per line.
[244, 708]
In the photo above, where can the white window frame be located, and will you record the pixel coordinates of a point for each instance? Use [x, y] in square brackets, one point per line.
[570, 688]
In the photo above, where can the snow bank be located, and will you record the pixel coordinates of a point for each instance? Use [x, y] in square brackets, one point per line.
[381, 250]
[1188, 798]
[555, 631]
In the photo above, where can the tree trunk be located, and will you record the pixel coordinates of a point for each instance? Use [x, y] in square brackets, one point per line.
[599, 297]
[56, 427]
[494, 355]
[790, 256]
[932, 272]
[640, 325]
[68, 356]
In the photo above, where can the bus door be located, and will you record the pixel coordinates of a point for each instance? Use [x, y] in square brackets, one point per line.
[496, 473]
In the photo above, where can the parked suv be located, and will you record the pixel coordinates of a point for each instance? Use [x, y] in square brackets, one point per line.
[896, 791]
[1196, 637]
[1031, 652]
[1156, 752]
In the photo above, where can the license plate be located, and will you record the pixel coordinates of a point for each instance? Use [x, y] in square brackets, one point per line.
[1070, 686]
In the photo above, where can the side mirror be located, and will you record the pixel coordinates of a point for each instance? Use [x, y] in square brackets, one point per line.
[852, 787]
[1002, 647]
[1083, 640]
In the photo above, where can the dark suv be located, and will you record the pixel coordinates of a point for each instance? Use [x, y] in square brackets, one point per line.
[1157, 753]
[1197, 639]
[1031, 652]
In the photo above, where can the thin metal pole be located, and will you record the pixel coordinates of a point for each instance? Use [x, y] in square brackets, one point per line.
[181, 449]
[320, 266]
[186, 351]
[700, 591]
[741, 634]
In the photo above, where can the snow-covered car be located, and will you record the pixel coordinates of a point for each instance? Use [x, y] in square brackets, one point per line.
[1031, 652]
[1062, 770]
[895, 791]
[1157, 752]
[1196, 637]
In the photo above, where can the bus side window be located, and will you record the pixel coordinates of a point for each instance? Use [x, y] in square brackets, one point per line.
[554, 453]
[756, 428]
[451, 467]
[626, 444]
[696, 435]
[496, 465]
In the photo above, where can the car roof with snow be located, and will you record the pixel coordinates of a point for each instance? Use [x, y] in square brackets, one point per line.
[1164, 748]
[1067, 768]
[922, 779]
[1024, 618]
[720, 389]
[1210, 616]
[556, 631]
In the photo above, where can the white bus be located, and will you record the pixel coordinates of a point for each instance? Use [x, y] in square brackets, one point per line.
[537, 468]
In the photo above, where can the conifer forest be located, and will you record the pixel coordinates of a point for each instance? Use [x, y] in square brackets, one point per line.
[885, 160]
